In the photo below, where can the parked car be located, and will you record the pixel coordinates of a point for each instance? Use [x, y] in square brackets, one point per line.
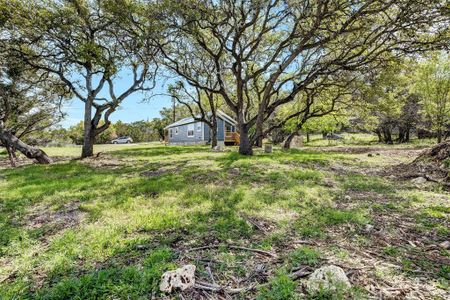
[333, 136]
[122, 140]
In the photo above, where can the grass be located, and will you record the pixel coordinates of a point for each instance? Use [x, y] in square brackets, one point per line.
[107, 228]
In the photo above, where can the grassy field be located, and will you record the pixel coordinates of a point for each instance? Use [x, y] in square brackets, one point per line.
[108, 227]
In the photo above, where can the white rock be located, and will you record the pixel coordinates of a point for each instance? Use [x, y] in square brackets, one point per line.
[182, 278]
[419, 180]
[235, 171]
[445, 245]
[329, 278]
[368, 228]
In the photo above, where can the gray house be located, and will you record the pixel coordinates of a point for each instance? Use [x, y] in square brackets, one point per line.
[187, 131]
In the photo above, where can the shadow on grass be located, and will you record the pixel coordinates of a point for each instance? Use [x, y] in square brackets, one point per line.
[187, 203]
[160, 151]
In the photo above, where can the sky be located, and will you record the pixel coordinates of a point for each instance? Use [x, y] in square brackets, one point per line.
[133, 108]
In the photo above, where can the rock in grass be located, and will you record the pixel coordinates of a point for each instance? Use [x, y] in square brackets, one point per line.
[419, 180]
[329, 278]
[445, 245]
[182, 278]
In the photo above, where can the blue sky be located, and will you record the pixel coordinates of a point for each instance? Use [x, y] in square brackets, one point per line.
[134, 108]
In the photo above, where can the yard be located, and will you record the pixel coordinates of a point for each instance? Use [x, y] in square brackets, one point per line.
[109, 226]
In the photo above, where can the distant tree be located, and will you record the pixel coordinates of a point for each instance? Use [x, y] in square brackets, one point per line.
[139, 131]
[157, 126]
[89, 45]
[432, 83]
[386, 102]
[265, 53]
[75, 133]
[315, 109]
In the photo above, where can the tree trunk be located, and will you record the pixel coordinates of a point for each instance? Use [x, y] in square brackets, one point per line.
[401, 135]
[387, 136]
[213, 135]
[307, 137]
[259, 142]
[245, 146]
[380, 138]
[287, 143]
[439, 136]
[12, 156]
[12, 142]
[88, 142]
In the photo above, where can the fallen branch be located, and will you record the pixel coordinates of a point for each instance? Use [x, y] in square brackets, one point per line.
[428, 178]
[259, 251]
[217, 288]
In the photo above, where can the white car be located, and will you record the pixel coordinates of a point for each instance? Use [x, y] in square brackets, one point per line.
[122, 140]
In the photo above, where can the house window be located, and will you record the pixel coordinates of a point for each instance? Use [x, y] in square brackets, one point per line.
[170, 132]
[176, 130]
[199, 126]
[190, 130]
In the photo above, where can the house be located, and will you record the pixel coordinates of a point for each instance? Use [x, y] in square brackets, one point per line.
[187, 131]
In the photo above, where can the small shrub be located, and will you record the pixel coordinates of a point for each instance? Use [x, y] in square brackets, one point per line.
[303, 256]
[281, 288]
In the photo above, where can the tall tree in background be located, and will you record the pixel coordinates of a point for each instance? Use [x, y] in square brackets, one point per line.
[313, 104]
[386, 103]
[265, 53]
[432, 83]
[89, 45]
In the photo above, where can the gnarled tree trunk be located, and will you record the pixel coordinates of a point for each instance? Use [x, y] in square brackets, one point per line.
[11, 142]
[245, 146]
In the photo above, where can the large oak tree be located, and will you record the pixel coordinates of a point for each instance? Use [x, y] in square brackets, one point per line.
[91, 45]
[266, 52]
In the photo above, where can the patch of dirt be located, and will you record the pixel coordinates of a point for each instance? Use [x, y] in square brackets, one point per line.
[23, 161]
[103, 161]
[433, 164]
[365, 149]
[52, 221]
[154, 173]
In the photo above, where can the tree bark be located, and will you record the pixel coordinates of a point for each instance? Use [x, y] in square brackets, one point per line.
[380, 138]
[439, 136]
[307, 137]
[88, 139]
[387, 136]
[408, 129]
[245, 146]
[12, 142]
[12, 156]
[213, 136]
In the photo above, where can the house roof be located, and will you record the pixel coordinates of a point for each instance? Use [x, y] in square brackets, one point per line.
[189, 120]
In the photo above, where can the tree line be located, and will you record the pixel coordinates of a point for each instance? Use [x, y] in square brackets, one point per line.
[274, 65]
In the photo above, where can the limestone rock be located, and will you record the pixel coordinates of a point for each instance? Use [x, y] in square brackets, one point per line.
[419, 180]
[235, 171]
[329, 278]
[182, 278]
[445, 245]
[368, 228]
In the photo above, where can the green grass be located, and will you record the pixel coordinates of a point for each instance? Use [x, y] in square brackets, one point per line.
[281, 288]
[107, 228]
